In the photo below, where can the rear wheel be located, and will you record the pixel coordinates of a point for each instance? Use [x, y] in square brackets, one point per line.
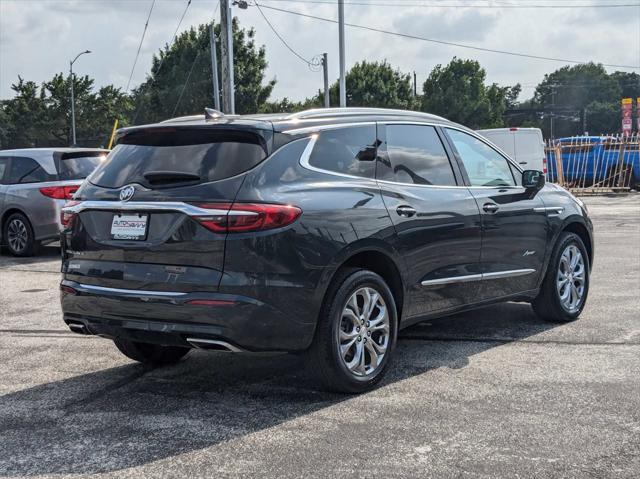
[18, 236]
[565, 287]
[152, 354]
[356, 333]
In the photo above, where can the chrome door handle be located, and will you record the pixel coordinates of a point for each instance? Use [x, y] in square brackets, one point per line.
[490, 207]
[406, 211]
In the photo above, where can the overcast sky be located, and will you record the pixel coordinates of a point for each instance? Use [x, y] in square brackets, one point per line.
[38, 37]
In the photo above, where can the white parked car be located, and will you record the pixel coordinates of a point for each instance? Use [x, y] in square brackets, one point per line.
[525, 145]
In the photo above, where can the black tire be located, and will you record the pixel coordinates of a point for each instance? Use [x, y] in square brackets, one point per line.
[151, 354]
[18, 223]
[324, 359]
[548, 304]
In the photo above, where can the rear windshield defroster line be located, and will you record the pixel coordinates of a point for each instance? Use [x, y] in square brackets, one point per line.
[207, 154]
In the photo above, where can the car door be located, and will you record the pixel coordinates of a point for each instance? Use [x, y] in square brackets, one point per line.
[514, 222]
[436, 218]
[4, 171]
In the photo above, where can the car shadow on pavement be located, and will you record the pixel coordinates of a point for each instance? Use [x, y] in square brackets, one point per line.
[130, 416]
[45, 253]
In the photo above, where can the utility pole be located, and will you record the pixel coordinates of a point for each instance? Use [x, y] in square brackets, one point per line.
[584, 121]
[343, 84]
[415, 84]
[73, 100]
[325, 71]
[214, 68]
[226, 17]
[553, 113]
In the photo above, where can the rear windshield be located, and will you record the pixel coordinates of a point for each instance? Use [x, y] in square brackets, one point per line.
[77, 166]
[169, 157]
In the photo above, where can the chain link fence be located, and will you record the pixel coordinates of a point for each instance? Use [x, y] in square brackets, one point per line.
[594, 164]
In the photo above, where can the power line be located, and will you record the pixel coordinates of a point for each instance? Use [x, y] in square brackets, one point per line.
[184, 87]
[461, 5]
[280, 37]
[193, 63]
[162, 59]
[144, 32]
[442, 42]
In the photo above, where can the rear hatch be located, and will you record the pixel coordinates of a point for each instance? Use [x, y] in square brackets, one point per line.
[152, 215]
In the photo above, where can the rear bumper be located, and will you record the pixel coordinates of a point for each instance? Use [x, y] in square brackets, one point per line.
[171, 318]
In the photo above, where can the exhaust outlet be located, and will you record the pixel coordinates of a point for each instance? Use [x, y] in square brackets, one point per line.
[213, 345]
[78, 328]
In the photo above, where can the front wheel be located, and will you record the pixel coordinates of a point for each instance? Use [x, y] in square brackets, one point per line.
[565, 287]
[151, 354]
[356, 333]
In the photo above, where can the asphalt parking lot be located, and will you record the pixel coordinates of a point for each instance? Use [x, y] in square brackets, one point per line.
[496, 392]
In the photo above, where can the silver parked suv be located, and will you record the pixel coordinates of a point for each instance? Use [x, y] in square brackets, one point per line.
[34, 184]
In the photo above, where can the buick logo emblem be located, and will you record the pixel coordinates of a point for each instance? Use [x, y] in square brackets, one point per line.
[126, 193]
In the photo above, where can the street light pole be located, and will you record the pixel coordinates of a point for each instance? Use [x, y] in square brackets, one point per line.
[73, 106]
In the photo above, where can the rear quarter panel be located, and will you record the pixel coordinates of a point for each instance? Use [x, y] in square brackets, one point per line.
[292, 267]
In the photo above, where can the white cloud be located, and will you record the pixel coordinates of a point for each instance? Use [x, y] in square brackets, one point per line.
[38, 37]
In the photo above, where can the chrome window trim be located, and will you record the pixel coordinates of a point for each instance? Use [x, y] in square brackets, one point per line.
[463, 130]
[306, 154]
[179, 206]
[478, 277]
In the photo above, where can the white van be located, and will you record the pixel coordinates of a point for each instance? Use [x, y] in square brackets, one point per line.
[525, 145]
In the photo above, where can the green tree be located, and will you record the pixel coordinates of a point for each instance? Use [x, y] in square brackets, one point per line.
[180, 79]
[603, 118]
[41, 116]
[24, 115]
[371, 84]
[629, 84]
[571, 89]
[458, 92]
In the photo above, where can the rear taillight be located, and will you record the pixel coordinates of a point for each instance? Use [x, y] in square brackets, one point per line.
[68, 290]
[246, 217]
[544, 165]
[67, 217]
[59, 192]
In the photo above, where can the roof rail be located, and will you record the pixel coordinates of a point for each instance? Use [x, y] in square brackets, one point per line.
[355, 111]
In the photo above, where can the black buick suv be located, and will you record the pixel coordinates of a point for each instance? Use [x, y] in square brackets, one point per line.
[322, 232]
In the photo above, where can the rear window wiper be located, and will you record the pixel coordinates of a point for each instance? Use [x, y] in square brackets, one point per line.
[164, 177]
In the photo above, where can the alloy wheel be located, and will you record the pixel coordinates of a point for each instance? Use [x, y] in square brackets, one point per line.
[17, 235]
[364, 332]
[571, 278]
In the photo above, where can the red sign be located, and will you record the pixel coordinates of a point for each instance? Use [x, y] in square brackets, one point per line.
[627, 122]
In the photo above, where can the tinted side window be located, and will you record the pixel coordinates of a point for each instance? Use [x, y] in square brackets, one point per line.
[26, 170]
[484, 165]
[416, 155]
[4, 166]
[349, 150]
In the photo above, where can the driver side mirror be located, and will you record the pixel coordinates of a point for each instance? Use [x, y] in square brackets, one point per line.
[533, 179]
